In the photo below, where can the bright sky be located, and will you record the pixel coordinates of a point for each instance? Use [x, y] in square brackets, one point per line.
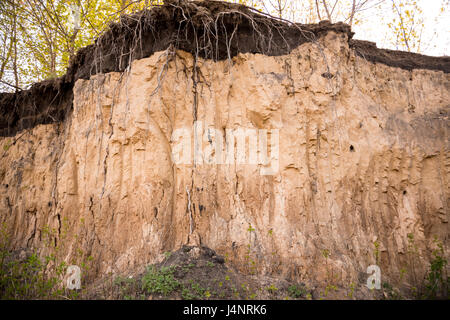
[436, 35]
[374, 25]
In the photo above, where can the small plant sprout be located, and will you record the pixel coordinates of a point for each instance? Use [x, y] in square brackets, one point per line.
[376, 244]
[272, 289]
[6, 146]
[296, 291]
[402, 273]
[352, 290]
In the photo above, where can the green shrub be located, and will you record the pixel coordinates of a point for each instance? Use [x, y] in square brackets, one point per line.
[27, 279]
[436, 283]
[160, 281]
[296, 291]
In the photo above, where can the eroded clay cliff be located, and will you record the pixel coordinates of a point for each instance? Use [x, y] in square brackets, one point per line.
[362, 167]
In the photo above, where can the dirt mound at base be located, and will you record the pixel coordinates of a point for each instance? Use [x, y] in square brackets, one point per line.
[196, 273]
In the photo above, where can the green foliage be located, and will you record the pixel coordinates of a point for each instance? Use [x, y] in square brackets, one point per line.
[392, 293]
[194, 291]
[160, 281]
[296, 291]
[407, 25]
[187, 267]
[272, 289]
[40, 37]
[186, 294]
[35, 276]
[376, 244]
[22, 278]
[6, 146]
[413, 254]
[436, 283]
[128, 287]
[250, 262]
[167, 254]
[197, 289]
[30, 278]
[328, 288]
[403, 271]
[352, 290]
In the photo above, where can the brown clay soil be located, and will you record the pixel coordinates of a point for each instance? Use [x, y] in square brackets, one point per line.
[207, 29]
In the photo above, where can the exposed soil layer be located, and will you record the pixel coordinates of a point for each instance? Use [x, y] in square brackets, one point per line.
[400, 59]
[45, 102]
[208, 29]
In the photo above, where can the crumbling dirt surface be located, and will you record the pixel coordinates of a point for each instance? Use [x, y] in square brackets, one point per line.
[208, 29]
[45, 102]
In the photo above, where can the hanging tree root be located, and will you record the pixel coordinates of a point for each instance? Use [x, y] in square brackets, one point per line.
[207, 29]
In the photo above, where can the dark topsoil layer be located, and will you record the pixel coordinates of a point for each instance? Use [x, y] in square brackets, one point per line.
[207, 29]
